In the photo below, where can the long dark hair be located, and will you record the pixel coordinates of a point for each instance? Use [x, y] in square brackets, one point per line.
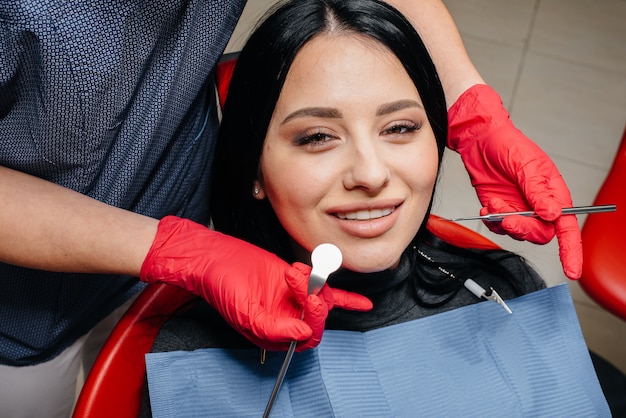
[258, 79]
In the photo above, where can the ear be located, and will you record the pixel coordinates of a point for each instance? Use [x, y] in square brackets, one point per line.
[257, 190]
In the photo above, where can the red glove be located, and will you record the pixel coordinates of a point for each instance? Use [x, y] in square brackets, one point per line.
[257, 293]
[511, 173]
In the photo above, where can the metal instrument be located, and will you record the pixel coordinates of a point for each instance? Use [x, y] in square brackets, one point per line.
[325, 259]
[496, 217]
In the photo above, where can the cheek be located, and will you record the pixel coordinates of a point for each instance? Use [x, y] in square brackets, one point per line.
[294, 203]
[291, 188]
[421, 172]
[429, 176]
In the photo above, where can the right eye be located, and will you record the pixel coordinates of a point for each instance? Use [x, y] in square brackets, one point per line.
[314, 139]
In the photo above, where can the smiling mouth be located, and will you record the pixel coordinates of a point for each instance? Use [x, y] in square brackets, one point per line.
[365, 215]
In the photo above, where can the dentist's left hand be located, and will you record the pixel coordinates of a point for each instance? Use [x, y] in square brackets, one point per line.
[511, 173]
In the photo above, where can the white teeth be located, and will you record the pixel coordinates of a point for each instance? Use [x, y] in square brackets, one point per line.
[365, 215]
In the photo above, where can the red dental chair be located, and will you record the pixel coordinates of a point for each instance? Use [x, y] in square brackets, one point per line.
[604, 268]
[604, 242]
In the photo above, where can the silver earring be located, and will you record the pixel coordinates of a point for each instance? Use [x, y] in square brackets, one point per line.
[256, 191]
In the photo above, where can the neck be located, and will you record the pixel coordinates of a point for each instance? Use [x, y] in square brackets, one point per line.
[370, 283]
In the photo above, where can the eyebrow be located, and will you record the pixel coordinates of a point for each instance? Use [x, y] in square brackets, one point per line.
[320, 112]
[330, 112]
[388, 108]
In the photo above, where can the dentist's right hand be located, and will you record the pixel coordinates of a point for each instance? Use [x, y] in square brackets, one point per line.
[257, 293]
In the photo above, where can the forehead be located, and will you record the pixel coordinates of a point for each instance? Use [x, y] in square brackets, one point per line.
[324, 46]
[330, 65]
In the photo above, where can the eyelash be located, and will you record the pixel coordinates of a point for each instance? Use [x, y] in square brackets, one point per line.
[320, 137]
[403, 127]
[314, 139]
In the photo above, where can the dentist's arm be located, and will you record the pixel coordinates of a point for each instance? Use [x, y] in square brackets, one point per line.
[49, 227]
[508, 170]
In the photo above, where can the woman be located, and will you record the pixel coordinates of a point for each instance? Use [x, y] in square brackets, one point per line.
[339, 127]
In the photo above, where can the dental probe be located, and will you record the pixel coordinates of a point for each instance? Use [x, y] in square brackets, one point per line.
[497, 217]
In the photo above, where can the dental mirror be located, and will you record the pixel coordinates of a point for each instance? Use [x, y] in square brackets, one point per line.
[325, 259]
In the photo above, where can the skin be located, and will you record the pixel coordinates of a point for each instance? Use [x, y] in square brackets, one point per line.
[349, 138]
[49, 227]
[445, 46]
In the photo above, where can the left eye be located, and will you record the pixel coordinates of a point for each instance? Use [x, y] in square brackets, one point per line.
[401, 128]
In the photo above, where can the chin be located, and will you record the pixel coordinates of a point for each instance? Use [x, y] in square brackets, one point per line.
[371, 266]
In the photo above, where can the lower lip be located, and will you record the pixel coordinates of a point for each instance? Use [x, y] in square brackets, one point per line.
[371, 228]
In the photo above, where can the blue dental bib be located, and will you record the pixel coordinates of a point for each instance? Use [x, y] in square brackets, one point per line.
[475, 361]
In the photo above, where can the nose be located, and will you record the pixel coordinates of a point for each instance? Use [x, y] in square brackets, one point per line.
[366, 167]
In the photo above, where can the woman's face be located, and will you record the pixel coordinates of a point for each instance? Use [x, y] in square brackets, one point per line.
[349, 157]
